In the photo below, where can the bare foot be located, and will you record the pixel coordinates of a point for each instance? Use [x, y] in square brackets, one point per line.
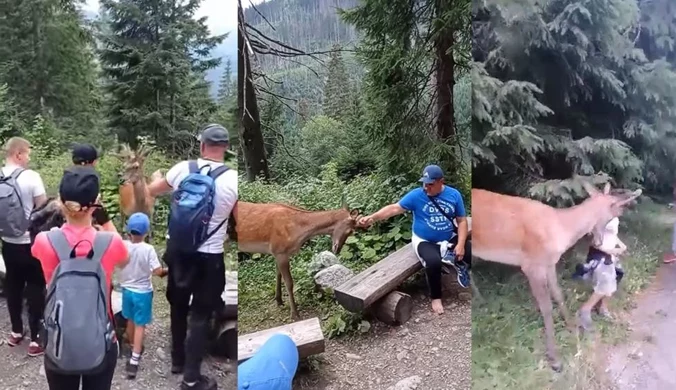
[437, 307]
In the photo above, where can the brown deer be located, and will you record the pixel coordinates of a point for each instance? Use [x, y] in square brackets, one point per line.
[533, 236]
[134, 195]
[281, 230]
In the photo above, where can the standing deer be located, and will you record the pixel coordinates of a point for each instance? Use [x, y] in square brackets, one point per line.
[281, 230]
[533, 236]
[134, 195]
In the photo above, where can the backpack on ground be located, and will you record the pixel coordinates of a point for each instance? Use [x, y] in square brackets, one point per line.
[192, 206]
[78, 332]
[13, 220]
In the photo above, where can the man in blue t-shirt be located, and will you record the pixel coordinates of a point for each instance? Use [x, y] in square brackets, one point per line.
[435, 238]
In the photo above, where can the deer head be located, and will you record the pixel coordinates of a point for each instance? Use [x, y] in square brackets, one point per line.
[607, 206]
[132, 162]
[344, 228]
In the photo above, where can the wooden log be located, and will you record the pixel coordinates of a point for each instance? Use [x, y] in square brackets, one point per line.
[394, 309]
[225, 343]
[364, 289]
[306, 334]
[367, 287]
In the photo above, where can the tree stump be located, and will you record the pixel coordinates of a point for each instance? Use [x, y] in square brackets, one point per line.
[394, 309]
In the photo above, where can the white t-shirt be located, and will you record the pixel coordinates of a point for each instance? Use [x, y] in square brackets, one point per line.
[30, 186]
[610, 238]
[137, 275]
[225, 199]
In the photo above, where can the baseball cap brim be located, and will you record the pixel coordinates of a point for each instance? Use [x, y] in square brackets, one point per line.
[426, 180]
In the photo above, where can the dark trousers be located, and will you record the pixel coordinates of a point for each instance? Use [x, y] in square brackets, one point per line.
[201, 275]
[100, 381]
[24, 276]
[430, 253]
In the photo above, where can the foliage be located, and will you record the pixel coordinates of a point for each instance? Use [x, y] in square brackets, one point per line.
[47, 63]
[564, 89]
[155, 81]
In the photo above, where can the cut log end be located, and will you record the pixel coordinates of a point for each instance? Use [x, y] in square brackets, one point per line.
[394, 309]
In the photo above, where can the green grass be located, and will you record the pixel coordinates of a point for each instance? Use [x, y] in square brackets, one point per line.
[507, 330]
[257, 306]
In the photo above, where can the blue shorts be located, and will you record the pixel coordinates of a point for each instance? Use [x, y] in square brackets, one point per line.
[137, 307]
[273, 366]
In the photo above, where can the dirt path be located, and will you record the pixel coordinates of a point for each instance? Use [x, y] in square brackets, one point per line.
[19, 372]
[648, 360]
[429, 351]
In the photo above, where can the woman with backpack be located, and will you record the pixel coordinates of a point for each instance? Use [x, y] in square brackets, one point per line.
[78, 263]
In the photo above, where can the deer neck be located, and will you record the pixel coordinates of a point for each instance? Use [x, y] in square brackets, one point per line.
[139, 189]
[315, 223]
[576, 222]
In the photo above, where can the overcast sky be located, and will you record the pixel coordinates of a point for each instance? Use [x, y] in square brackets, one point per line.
[221, 14]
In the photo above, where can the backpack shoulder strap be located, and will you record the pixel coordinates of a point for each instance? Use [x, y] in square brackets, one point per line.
[192, 166]
[17, 172]
[218, 171]
[101, 243]
[60, 243]
[441, 210]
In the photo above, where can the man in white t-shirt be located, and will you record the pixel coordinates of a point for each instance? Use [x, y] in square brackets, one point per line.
[200, 274]
[24, 272]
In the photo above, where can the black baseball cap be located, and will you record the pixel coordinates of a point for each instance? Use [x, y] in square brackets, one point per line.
[80, 184]
[214, 134]
[84, 154]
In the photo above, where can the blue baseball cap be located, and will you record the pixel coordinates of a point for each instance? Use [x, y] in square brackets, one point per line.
[272, 367]
[138, 224]
[431, 173]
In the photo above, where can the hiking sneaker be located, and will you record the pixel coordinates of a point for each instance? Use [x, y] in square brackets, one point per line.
[131, 370]
[35, 350]
[204, 383]
[14, 339]
[669, 257]
[460, 268]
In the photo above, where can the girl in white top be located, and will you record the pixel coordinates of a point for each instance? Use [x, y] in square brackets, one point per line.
[604, 276]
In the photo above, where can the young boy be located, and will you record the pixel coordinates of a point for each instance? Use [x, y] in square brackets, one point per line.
[137, 286]
[605, 274]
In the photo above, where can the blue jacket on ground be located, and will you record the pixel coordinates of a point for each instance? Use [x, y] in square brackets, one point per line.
[272, 367]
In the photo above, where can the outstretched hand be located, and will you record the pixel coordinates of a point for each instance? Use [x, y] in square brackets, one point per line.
[365, 222]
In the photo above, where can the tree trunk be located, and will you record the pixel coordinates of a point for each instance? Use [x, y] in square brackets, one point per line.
[250, 134]
[444, 77]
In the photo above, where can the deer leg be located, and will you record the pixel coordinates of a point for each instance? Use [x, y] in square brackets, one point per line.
[278, 287]
[284, 269]
[557, 294]
[537, 278]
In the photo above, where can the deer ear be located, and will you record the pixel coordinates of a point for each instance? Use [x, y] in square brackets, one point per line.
[354, 213]
[606, 189]
[590, 188]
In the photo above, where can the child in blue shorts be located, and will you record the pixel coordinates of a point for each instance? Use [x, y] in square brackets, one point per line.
[137, 286]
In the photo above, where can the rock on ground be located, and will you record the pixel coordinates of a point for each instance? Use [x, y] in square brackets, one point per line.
[333, 276]
[321, 261]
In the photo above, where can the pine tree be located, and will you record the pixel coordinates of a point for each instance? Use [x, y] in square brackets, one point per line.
[47, 62]
[226, 86]
[337, 88]
[154, 58]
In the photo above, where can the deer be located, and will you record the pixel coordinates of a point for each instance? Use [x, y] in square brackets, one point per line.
[533, 236]
[281, 230]
[133, 191]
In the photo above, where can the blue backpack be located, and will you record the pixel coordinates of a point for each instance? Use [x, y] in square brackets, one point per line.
[192, 206]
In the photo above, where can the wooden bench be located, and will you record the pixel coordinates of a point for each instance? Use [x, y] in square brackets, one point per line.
[307, 335]
[375, 286]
